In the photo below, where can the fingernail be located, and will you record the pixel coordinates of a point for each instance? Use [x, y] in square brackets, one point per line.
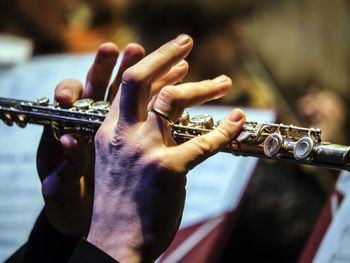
[236, 115]
[221, 79]
[67, 92]
[182, 40]
[181, 64]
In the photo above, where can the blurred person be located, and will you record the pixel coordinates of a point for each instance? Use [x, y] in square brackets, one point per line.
[92, 22]
[214, 26]
[326, 110]
[290, 43]
[278, 212]
[42, 21]
[65, 26]
[239, 39]
[304, 46]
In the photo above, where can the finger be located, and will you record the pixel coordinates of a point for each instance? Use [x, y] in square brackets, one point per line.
[66, 177]
[50, 153]
[68, 91]
[173, 76]
[80, 154]
[136, 80]
[200, 148]
[132, 54]
[100, 72]
[172, 100]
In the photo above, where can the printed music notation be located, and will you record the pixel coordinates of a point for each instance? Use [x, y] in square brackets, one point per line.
[336, 242]
[342, 253]
[20, 190]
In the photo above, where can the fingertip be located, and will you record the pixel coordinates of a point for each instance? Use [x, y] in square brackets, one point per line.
[178, 72]
[223, 84]
[236, 115]
[108, 47]
[135, 48]
[64, 96]
[183, 64]
[68, 91]
[182, 40]
[107, 52]
[133, 51]
[68, 142]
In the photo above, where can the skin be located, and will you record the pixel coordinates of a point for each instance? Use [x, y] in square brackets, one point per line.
[66, 167]
[140, 172]
[127, 191]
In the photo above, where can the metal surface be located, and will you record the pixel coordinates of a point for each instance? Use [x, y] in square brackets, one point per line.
[259, 139]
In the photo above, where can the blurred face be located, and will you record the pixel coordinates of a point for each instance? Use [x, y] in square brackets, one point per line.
[324, 110]
[218, 53]
[48, 15]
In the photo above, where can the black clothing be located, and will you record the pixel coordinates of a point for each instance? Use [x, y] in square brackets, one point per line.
[46, 244]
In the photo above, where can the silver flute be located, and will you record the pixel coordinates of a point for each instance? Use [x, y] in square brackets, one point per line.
[258, 139]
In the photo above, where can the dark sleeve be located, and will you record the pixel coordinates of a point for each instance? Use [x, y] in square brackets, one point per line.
[45, 244]
[18, 256]
[88, 253]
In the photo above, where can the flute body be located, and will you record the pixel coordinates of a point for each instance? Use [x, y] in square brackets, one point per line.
[258, 139]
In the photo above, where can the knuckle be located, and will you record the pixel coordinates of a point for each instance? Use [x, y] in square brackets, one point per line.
[165, 51]
[100, 137]
[206, 83]
[215, 87]
[204, 145]
[232, 128]
[168, 95]
[223, 133]
[118, 142]
[132, 77]
[167, 163]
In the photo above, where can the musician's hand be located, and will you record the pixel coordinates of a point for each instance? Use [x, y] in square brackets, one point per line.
[140, 173]
[66, 167]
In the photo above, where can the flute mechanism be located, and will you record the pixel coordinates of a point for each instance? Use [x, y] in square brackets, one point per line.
[257, 138]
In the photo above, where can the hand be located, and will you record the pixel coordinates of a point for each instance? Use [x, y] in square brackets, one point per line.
[66, 167]
[140, 172]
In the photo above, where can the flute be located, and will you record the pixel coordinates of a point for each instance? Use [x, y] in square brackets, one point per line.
[258, 139]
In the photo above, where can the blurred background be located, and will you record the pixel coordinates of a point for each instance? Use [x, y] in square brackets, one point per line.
[291, 56]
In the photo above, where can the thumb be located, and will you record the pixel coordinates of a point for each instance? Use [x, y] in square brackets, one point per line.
[59, 184]
[202, 147]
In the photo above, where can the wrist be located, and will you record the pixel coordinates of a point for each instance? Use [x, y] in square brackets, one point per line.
[118, 233]
[117, 248]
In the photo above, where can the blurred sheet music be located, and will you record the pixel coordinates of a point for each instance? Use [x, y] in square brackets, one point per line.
[334, 247]
[20, 190]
